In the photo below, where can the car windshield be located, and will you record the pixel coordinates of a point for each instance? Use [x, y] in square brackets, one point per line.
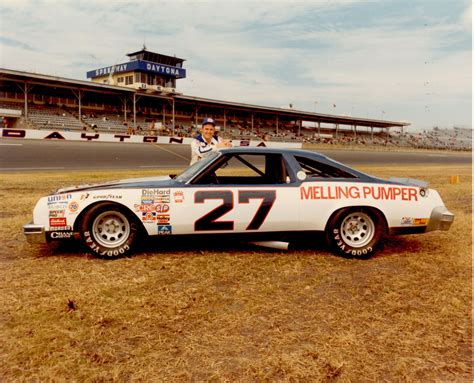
[196, 168]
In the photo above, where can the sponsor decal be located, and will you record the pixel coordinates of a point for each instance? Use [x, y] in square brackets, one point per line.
[73, 207]
[59, 198]
[148, 200]
[60, 234]
[420, 221]
[107, 196]
[414, 221]
[57, 205]
[163, 219]
[164, 229]
[56, 213]
[59, 221]
[407, 221]
[149, 216]
[334, 192]
[84, 196]
[61, 228]
[160, 208]
[155, 192]
[178, 196]
[156, 195]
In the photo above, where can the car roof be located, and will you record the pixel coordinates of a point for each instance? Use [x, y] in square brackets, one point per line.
[260, 150]
[296, 152]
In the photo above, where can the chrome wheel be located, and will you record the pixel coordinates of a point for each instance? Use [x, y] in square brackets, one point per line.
[357, 229]
[111, 229]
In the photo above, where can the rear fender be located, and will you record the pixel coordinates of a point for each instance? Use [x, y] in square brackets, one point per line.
[359, 208]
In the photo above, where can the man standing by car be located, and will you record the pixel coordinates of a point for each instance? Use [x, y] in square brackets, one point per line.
[207, 141]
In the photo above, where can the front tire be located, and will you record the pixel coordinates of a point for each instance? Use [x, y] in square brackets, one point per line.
[109, 231]
[356, 233]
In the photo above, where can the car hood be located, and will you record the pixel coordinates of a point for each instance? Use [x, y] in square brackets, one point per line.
[132, 183]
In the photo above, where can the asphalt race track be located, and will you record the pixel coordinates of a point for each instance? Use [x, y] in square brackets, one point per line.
[37, 155]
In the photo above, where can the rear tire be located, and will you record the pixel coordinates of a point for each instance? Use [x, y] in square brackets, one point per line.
[356, 232]
[109, 231]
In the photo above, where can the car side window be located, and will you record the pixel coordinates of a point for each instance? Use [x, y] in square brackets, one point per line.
[316, 169]
[246, 169]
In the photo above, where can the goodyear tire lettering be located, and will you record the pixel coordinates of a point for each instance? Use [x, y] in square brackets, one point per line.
[343, 242]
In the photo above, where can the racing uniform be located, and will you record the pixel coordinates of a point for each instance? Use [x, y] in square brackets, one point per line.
[200, 148]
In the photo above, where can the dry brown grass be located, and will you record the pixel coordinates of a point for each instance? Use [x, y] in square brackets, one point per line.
[238, 314]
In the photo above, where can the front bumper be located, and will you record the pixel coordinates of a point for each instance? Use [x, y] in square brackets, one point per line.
[34, 233]
[441, 219]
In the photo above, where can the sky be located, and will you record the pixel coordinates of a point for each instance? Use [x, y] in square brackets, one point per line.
[399, 60]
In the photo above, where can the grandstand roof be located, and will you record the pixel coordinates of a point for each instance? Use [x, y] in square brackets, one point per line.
[55, 81]
[296, 114]
[43, 79]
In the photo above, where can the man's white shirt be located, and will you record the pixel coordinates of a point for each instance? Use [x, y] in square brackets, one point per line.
[200, 148]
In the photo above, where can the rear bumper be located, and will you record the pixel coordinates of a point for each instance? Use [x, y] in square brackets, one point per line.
[441, 219]
[34, 233]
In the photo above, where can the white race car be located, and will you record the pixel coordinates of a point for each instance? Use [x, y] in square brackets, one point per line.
[269, 195]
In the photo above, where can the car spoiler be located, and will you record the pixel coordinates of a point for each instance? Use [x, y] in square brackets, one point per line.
[410, 182]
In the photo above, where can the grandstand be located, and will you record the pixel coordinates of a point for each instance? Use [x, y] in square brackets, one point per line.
[140, 97]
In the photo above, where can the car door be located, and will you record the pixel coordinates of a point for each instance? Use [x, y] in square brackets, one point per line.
[241, 193]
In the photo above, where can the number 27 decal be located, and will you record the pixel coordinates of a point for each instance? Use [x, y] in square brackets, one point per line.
[208, 222]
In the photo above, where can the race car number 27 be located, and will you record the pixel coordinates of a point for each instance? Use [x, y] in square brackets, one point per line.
[208, 221]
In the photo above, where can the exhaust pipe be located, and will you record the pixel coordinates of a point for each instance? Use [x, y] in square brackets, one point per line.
[279, 245]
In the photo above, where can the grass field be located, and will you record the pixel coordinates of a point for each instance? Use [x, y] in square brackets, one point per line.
[236, 314]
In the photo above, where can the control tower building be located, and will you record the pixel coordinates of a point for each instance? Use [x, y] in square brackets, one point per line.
[145, 70]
